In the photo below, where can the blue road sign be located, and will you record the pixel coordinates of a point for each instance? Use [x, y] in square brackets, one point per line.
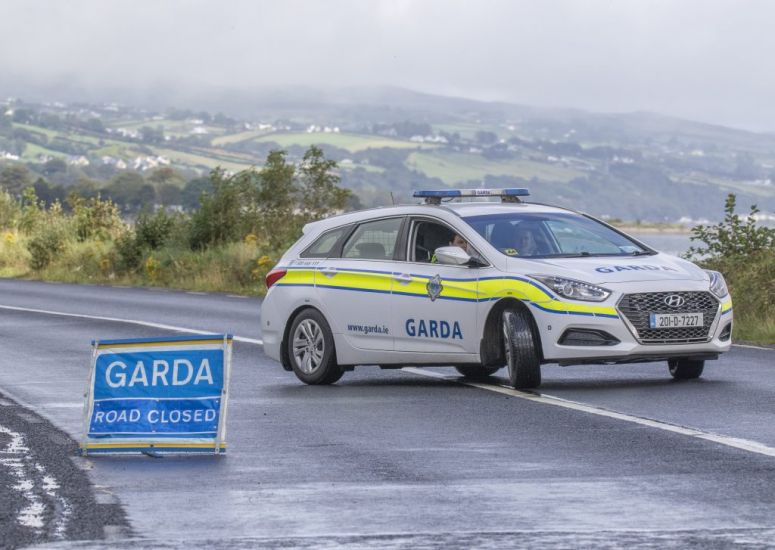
[159, 395]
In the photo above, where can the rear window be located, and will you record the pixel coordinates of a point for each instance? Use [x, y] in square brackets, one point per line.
[324, 246]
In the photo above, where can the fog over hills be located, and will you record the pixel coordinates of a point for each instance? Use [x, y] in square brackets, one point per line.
[387, 140]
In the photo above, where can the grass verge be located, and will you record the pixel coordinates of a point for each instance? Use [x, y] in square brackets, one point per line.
[751, 282]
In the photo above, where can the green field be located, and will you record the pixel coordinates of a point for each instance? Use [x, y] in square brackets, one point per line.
[51, 134]
[468, 130]
[32, 150]
[176, 128]
[180, 157]
[236, 138]
[454, 168]
[351, 142]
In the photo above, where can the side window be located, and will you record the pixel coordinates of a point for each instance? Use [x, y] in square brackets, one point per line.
[324, 245]
[373, 240]
[426, 238]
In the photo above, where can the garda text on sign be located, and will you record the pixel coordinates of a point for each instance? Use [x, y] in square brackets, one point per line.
[159, 395]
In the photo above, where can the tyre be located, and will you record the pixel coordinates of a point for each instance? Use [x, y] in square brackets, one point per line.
[311, 349]
[685, 369]
[476, 372]
[521, 350]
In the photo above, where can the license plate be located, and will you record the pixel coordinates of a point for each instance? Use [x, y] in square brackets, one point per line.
[675, 320]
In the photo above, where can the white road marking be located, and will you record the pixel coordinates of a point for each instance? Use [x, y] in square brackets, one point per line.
[130, 321]
[751, 346]
[737, 443]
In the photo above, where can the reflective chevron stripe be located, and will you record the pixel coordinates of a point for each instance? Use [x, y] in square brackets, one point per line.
[468, 290]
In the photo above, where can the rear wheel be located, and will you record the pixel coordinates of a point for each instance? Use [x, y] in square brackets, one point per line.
[685, 369]
[521, 350]
[311, 349]
[476, 372]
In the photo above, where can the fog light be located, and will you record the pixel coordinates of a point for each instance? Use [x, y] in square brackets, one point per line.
[587, 337]
[726, 332]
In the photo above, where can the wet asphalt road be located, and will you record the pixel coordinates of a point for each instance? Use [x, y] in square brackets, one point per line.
[392, 459]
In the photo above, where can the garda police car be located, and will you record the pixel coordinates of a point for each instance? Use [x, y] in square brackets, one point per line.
[482, 285]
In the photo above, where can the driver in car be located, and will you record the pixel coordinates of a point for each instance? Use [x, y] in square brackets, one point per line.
[525, 242]
[458, 241]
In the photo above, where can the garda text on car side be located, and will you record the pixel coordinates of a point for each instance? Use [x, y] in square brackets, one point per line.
[482, 285]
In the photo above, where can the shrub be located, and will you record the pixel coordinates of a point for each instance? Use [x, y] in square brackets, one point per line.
[94, 217]
[31, 211]
[745, 253]
[9, 211]
[733, 236]
[220, 216]
[45, 247]
[129, 252]
[154, 230]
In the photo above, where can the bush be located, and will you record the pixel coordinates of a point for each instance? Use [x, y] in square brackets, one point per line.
[752, 285]
[94, 217]
[745, 253]
[154, 230]
[219, 218]
[45, 246]
[9, 211]
[130, 253]
[733, 236]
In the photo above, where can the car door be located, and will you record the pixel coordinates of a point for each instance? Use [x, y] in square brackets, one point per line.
[434, 305]
[356, 285]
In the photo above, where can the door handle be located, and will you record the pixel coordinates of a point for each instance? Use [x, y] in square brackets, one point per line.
[328, 271]
[403, 278]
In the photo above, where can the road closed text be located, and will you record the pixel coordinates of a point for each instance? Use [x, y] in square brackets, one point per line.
[173, 416]
[155, 415]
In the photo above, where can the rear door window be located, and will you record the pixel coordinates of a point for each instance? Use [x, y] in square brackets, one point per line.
[373, 240]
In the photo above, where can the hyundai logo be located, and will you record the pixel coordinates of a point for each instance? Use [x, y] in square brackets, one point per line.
[674, 300]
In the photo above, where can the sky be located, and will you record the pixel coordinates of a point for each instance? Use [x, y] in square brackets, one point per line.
[708, 60]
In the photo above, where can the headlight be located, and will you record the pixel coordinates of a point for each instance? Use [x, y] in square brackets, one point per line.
[718, 286]
[574, 290]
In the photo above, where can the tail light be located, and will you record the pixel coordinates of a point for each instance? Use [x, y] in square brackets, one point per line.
[273, 276]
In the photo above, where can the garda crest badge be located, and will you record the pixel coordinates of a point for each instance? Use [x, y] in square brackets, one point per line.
[434, 287]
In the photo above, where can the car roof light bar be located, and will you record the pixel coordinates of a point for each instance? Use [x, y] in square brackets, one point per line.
[510, 194]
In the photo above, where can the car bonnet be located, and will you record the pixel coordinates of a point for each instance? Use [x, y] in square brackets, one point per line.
[607, 269]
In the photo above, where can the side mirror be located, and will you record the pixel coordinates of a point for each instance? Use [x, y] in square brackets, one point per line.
[452, 255]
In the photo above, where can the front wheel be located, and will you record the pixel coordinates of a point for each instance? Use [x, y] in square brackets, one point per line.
[311, 349]
[685, 369]
[521, 350]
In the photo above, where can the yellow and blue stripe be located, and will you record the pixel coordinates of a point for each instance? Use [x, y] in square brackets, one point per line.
[458, 289]
[184, 340]
[165, 447]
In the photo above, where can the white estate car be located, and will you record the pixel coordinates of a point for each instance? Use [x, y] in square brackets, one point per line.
[482, 285]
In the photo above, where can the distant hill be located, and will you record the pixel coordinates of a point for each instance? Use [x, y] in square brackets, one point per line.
[390, 140]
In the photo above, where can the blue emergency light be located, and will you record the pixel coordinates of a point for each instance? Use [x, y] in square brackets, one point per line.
[510, 194]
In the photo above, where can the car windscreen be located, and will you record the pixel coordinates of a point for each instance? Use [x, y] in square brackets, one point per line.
[552, 235]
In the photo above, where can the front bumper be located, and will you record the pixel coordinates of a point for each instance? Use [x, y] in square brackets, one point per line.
[623, 346]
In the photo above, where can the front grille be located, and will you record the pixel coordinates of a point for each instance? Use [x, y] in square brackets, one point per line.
[637, 307]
